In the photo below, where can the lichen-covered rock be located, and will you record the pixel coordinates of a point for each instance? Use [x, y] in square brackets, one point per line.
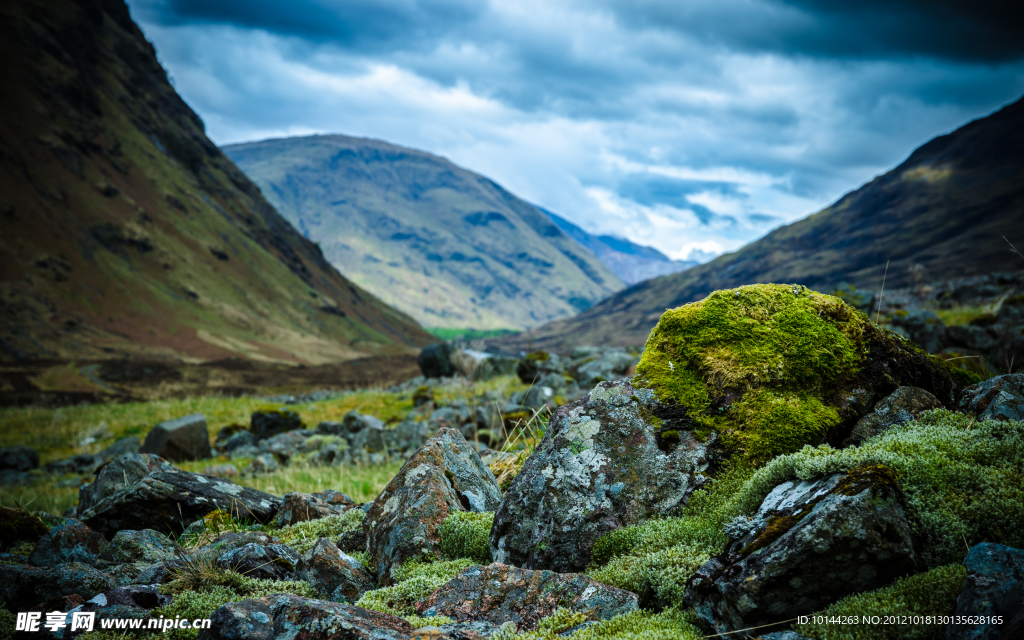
[297, 618]
[902, 405]
[261, 561]
[181, 439]
[300, 507]
[538, 364]
[475, 630]
[22, 586]
[71, 541]
[602, 465]
[263, 463]
[287, 445]
[245, 620]
[120, 474]
[994, 588]
[135, 595]
[146, 546]
[237, 539]
[225, 470]
[998, 398]
[334, 574]
[267, 423]
[444, 475]
[335, 499]
[808, 545]
[17, 526]
[163, 500]
[501, 593]
[18, 458]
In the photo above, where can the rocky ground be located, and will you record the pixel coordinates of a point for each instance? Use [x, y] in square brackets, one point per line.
[771, 455]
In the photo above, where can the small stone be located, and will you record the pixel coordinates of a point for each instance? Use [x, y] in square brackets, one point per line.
[994, 588]
[221, 470]
[266, 423]
[998, 398]
[179, 440]
[901, 406]
[301, 507]
[263, 562]
[68, 542]
[333, 573]
[18, 458]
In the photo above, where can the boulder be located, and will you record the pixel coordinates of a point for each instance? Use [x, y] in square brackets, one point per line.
[263, 463]
[168, 499]
[435, 361]
[998, 398]
[18, 458]
[602, 465]
[285, 446]
[444, 475]
[237, 441]
[493, 365]
[538, 364]
[353, 422]
[298, 618]
[261, 561]
[370, 439]
[179, 440]
[809, 544]
[119, 475]
[335, 575]
[17, 525]
[22, 586]
[607, 365]
[68, 542]
[924, 327]
[132, 552]
[407, 436]
[245, 620]
[903, 405]
[500, 593]
[300, 507]
[994, 588]
[267, 423]
[221, 470]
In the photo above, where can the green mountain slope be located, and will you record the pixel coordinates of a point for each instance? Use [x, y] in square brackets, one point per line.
[946, 208]
[127, 233]
[445, 245]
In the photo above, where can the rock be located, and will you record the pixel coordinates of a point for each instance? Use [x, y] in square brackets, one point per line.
[600, 466]
[500, 593]
[924, 327]
[179, 440]
[809, 544]
[263, 463]
[221, 470]
[444, 475]
[245, 620]
[68, 542]
[351, 541]
[903, 405]
[608, 365]
[423, 397]
[22, 586]
[407, 436]
[343, 501]
[121, 473]
[538, 364]
[10, 477]
[267, 423]
[971, 337]
[134, 595]
[17, 526]
[330, 428]
[538, 396]
[130, 553]
[238, 539]
[492, 366]
[298, 618]
[994, 587]
[163, 500]
[239, 440]
[783, 635]
[334, 574]
[89, 464]
[369, 440]
[159, 572]
[998, 398]
[263, 562]
[353, 422]
[300, 507]
[285, 446]
[19, 458]
[435, 361]
[476, 630]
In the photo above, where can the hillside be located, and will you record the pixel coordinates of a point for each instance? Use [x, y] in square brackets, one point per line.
[443, 244]
[946, 208]
[128, 234]
[631, 262]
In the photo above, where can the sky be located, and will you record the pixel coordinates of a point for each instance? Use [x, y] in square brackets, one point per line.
[693, 126]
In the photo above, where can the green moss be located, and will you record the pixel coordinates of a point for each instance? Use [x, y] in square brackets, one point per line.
[775, 423]
[635, 625]
[416, 581]
[433, 621]
[301, 536]
[538, 356]
[7, 622]
[933, 593]
[467, 535]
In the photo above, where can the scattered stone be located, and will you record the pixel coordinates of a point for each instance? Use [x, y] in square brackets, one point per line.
[924, 327]
[435, 361]
[22, 586]
[267, 423]
[159, 572]
[809, 544]
[19, 526]
[238, 441]
[335, 498]
[600, 466]
[285, 446]
[68, 542]
[994, 587]
[134, 595]
[444, 475]
[783, 635]
[263, 463]
[263, 562]
[333, 573]
[90, 464]
[903, 405]
[998, 398]
[538, 364]
[476, 630]
[179, 440]
[300, 507]
[120, 475]
[245, 620]
[18, 458]
[300, 618]
[500, 593]
[131, 552]
[221, 470]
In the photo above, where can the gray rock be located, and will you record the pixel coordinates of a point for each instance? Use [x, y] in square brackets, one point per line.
[971, 337]
[245, 620]
[330, 428]
[300, 507]
[600, 466]
[18, 458]
[179, 440]
[236, 540]
[263, 562]
[68, 542]
[500, 593]
[538, 364]
[285, 446]
[134, 595]
[119, 475]
[89, 464]
[221, 470]
[607, 365]
[995, 587]
[335, 575]
[493, 366]
[353, 422]
[130, 553]
[444, 475]
[538, 396]
[783, 635]
[475, 630]
[297, 618]
[369, 440]
[809, 544]
[267, 423]
[238, 441]
[998, 398]
[924, 327]
[263, 463]
[435, 361]
[22, 586]
[902, 405]
[159, 572]
[407, 436]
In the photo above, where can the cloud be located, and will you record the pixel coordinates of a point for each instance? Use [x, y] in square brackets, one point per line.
[694, 126]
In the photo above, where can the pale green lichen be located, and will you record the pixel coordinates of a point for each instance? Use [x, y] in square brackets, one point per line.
[670, 624]
[416, 581]
[465, 534]
[301, 536]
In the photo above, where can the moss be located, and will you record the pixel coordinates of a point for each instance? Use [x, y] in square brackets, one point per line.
[416, 581]
[18, 525]
[933, 593]
[7, 622]
[538, 356]
[301, 536]
[635, 625]
[467, 535]
[775, 423]
[433, 621]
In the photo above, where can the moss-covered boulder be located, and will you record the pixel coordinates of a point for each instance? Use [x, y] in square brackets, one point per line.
[773, 367]
[17, 525]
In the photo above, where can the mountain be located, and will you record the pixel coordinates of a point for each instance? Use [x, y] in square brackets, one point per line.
[631, 262]
[127, 233]
[443, 244]
[946, 208]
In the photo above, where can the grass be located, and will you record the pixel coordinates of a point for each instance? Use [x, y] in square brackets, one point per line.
[450, 333]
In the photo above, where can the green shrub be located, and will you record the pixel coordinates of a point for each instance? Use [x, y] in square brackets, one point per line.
[466, 534]
[932, 593]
